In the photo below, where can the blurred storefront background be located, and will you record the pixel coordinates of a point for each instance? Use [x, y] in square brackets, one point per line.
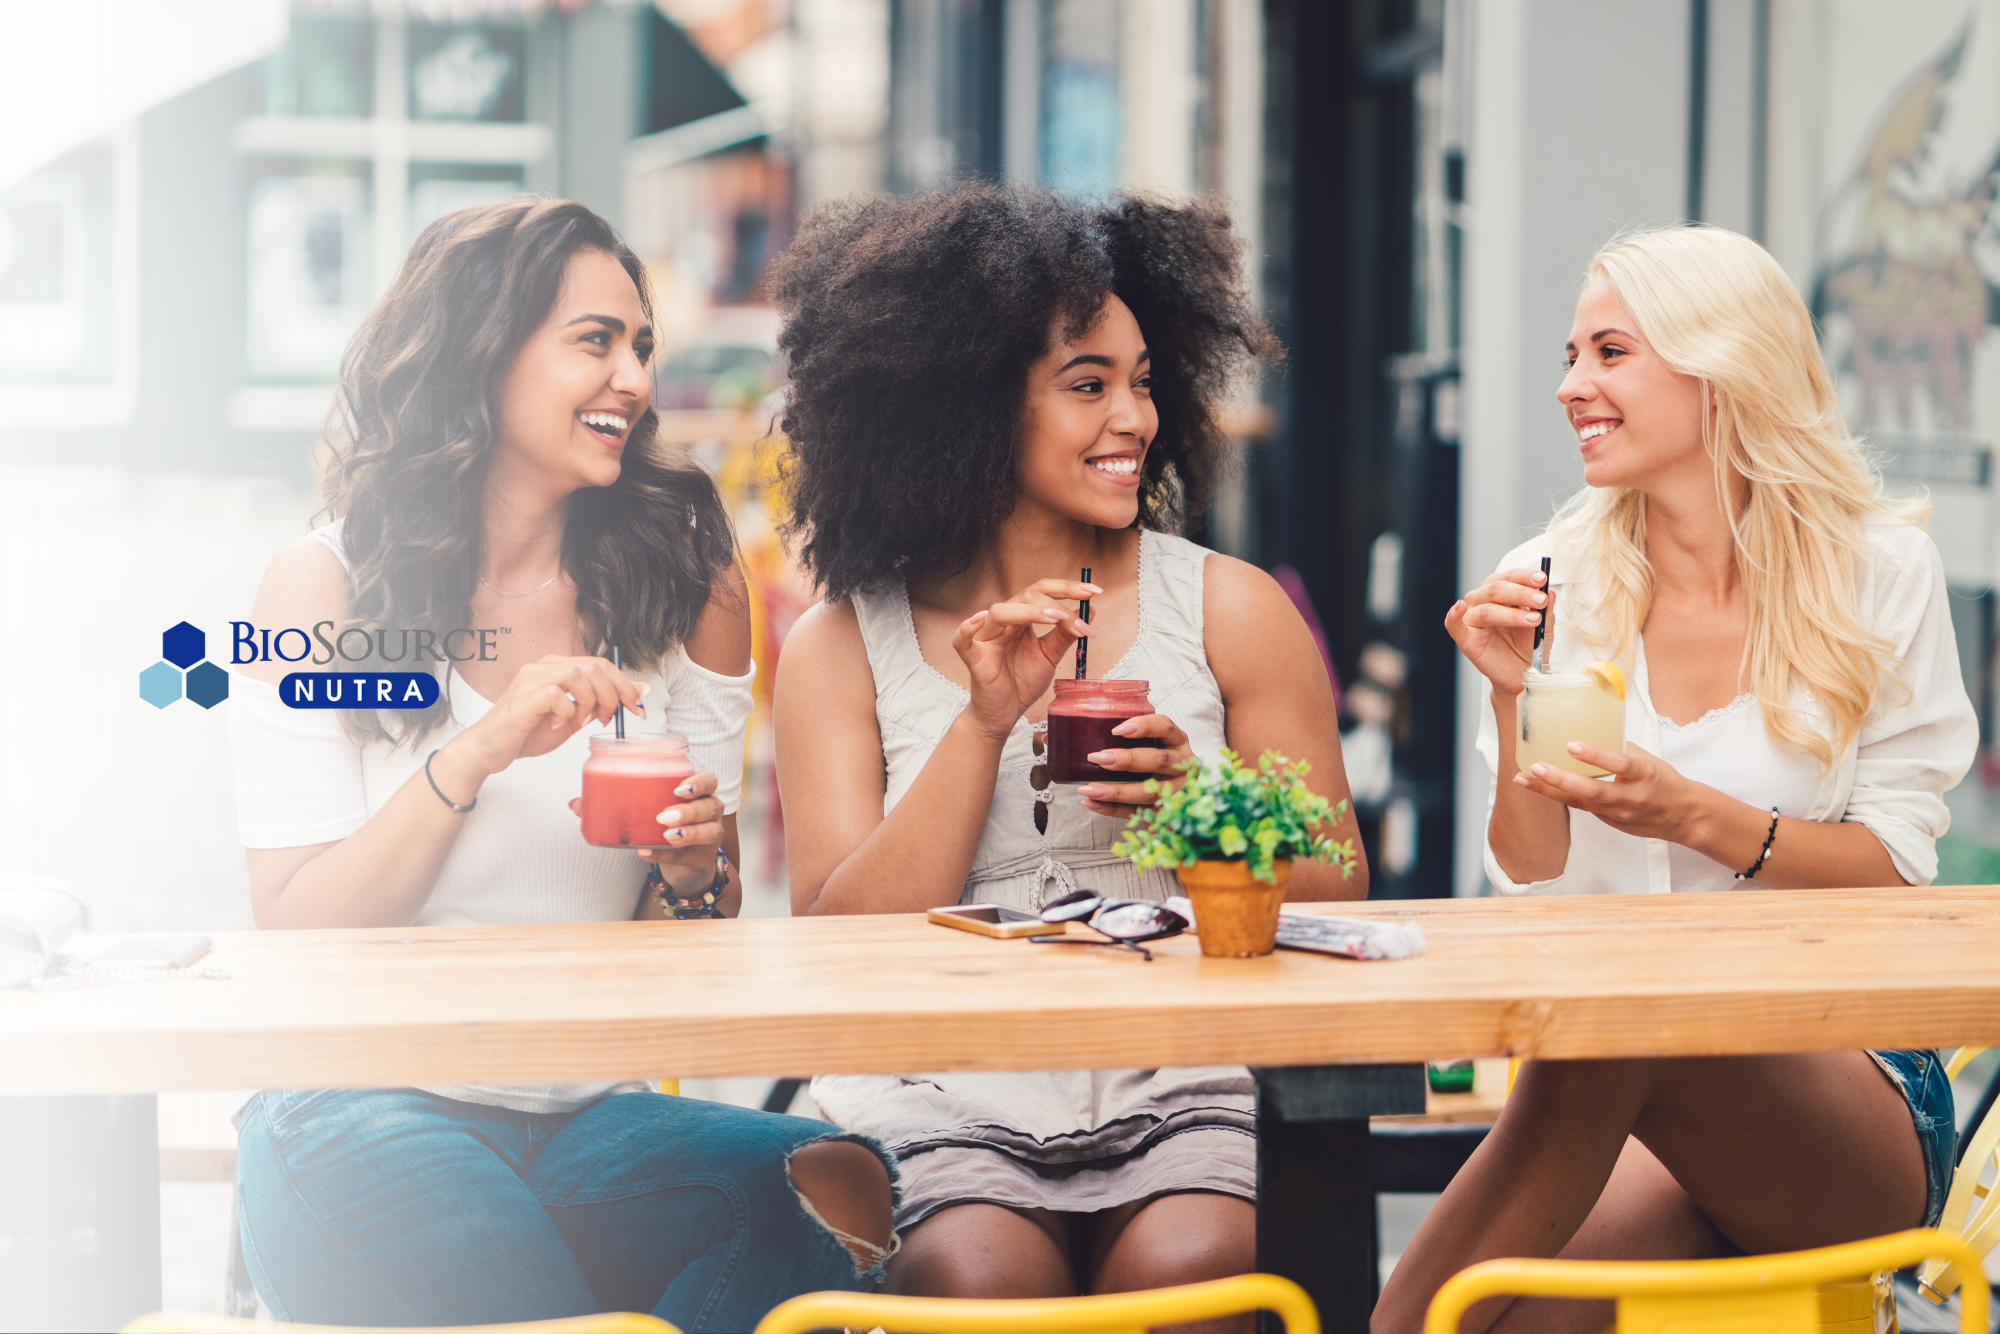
[199, 199]
[187, 242]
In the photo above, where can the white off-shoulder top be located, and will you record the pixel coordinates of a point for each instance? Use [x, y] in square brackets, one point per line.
[1914, 747]
[520, 857]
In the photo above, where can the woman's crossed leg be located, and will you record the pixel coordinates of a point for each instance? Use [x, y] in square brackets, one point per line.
[1666, 1159]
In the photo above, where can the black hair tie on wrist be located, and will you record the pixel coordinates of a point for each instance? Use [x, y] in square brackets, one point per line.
[1763, 852]
[462, 810]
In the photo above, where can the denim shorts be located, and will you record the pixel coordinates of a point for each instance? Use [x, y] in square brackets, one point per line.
[1919, 1077]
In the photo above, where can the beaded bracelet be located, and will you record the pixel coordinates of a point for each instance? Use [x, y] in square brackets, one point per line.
[1763, 852]
[705, 904]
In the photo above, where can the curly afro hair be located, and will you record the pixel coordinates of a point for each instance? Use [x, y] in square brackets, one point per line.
[910, 325]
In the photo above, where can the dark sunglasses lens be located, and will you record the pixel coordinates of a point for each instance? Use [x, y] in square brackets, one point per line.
[1139, 921]
[1074, 906]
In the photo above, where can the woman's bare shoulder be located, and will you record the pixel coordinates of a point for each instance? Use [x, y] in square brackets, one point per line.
[829, 634]
[1237, 597]
[721, 639]
[304, 584]
[1250, 627]
[304, 576]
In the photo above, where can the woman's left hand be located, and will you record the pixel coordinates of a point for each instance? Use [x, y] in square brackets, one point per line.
[693, 829]
[1647, 799]
[1120, 800]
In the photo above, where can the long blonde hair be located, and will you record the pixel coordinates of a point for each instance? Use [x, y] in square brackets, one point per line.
[1716, 306]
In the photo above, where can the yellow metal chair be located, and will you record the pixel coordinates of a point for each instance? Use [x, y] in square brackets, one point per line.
[1972, 1208]
[1116, 1313]
[1752, 1294]
[615, 1322]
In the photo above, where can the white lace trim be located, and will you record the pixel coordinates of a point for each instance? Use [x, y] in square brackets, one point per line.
[1729, 710]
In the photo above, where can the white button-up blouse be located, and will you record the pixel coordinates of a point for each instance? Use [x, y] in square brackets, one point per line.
[1916, 744]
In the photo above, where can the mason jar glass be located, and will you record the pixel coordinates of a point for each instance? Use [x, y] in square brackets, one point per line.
[1556, 708]
[1080, 723]
[627, 782]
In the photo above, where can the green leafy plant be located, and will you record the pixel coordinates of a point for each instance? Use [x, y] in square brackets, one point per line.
[1226, 811]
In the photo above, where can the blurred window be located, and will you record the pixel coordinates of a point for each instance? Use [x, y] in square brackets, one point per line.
[325, 68]
[438, 188]
[310, 267]
[472, 71]
[1081, 133]
[717, 376]
[55, 273]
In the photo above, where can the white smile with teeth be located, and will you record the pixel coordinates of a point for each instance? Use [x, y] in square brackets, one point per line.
[605, 421]
[1595, 429]
[1119, 467]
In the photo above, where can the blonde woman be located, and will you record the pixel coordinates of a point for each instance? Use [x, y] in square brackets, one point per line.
[1793, 718]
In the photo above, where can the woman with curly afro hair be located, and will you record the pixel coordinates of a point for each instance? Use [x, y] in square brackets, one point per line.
[992, 390]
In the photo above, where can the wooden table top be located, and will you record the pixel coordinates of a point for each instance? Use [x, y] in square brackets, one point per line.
[1637, 975]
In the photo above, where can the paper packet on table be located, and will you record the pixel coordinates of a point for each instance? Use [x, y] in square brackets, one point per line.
[1348, 937]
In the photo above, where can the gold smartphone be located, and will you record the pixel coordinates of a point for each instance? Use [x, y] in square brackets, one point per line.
[990, 919]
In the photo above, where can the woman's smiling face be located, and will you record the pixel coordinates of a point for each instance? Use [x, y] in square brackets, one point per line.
[579, 384]
[1636, 419]
[1087, 421]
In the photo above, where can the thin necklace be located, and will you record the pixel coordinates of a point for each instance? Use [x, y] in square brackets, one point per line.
[536, 589]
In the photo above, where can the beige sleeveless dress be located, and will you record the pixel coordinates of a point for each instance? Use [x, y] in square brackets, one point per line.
[1069, 1140]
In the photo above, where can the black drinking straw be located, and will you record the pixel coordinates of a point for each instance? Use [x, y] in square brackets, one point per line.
[1540, 665]
[1083, 644]
[618, 716]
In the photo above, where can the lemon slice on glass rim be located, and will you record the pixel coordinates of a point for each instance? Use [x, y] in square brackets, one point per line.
[1607, 676]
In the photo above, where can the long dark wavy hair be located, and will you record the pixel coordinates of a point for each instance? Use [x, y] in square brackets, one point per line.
[414, 425]
[910, 325]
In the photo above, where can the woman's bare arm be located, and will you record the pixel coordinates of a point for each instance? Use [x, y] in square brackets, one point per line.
[381, 874]
[721, 643]
[1529, 833]
[1278, 697]
[845, 855]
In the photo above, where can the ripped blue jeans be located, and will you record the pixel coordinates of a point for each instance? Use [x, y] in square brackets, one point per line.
[1919, 1077]
[398, 1207]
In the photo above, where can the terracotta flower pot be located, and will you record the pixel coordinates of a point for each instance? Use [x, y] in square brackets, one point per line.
[1236, 917]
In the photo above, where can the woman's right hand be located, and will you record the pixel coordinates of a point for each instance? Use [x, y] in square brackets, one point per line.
[544, 705]
[1494, 625]
[1010, 665]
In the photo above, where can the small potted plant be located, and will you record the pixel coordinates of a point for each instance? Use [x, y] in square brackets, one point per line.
[1231, 832]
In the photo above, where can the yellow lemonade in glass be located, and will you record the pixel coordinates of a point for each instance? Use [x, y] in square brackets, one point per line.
[1557, 708]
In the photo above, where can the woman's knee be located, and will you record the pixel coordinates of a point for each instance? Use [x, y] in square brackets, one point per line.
[845, 1187]
[982, 1252]
[1184, 1238]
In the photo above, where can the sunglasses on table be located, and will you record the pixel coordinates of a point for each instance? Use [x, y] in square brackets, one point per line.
[1123, 922]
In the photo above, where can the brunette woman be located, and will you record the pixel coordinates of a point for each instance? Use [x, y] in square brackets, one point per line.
[494, 465]
[990, 391]
[1793, 717]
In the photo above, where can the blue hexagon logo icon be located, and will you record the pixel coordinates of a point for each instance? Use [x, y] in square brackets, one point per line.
[208, 685]
[160, 684]
[184, 645]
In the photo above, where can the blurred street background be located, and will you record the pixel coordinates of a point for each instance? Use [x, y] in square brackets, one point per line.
[199, 200]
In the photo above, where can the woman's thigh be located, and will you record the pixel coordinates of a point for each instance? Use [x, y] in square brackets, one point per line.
[986, 1251]
[1788, 1152]
[685, 1208]
[394, 1207]
[1184, 1237]
[1643, 1214]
